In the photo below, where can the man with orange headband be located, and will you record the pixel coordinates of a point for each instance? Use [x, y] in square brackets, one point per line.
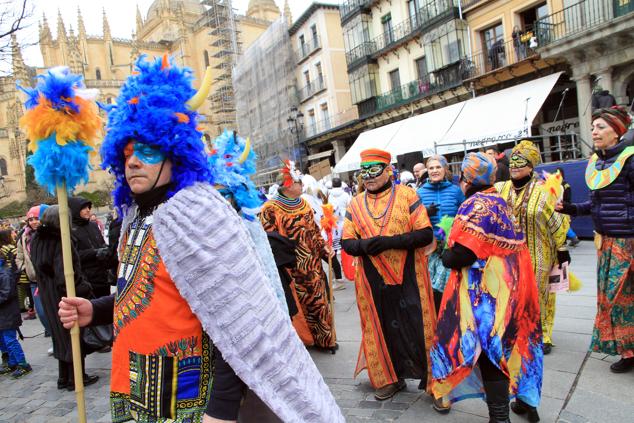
[387, 228]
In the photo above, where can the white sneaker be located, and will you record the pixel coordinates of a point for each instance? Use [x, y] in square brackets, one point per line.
[50, 351]
[339, 285]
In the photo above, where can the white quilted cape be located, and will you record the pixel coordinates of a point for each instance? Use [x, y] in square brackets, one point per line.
[212, 260]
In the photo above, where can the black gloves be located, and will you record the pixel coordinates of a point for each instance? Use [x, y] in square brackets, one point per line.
[373, 246]
[432, 209]
[563, 256]
[569, 209]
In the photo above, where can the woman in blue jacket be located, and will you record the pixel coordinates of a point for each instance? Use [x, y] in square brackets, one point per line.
[441, 198]
[610, 177]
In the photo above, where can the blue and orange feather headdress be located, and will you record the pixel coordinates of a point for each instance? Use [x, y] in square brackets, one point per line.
[157, 106]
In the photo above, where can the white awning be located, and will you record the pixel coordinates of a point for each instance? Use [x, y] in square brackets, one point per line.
[503, 115]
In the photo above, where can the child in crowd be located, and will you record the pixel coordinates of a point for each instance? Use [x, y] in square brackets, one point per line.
[13, 360]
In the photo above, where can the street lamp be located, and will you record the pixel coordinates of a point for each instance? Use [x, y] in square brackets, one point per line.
[296, 125]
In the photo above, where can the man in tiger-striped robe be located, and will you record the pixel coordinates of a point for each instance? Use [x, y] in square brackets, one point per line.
[292, 217]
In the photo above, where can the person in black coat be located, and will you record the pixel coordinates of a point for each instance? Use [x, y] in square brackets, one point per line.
[94, 254]
[46, 255]
[13, 360]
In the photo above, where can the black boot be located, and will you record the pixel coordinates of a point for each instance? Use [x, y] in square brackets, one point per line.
[520, 407]
[497, 392]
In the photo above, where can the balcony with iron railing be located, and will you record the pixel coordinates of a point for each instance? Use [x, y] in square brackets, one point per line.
[498, 55]
[356, 55]
[307, 49]
[579, 18]
[312, 88]
[350, 7]
[331, 121]
[427, 16]
[435, 82]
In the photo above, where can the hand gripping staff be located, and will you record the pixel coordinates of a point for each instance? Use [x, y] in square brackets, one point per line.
[62, 124]
[328, 222]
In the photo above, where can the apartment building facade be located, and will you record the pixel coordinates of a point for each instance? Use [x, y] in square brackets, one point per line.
[324, 100]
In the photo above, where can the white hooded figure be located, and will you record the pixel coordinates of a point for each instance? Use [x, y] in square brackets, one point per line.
[314, 195]
[340, 200]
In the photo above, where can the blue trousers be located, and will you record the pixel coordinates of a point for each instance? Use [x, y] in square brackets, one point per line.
[9, 343]
[39, 309]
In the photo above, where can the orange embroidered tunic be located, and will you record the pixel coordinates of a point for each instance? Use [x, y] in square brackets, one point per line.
[393, 288]
[161, 357]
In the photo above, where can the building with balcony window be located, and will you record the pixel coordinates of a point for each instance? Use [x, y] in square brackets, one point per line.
[323, 89]
[596, 40]
[403, 56]
[440, 63]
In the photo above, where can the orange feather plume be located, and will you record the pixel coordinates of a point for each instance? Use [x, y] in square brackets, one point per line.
[328, 221]
[42, 120]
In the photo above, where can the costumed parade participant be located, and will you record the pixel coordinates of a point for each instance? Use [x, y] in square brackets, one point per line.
[290, 216]
[489, 314]
[387, 228]
[194, 317]
[232, 162]
[610, 177]
[441, 198]
[544, 229]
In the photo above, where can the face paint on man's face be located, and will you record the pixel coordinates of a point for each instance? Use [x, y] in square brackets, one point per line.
[146, 154]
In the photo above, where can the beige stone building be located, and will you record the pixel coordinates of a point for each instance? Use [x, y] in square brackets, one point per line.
[196, 34]
[322, 78]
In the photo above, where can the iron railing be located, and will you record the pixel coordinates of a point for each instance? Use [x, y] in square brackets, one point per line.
[498, 55]
[307, 48]
[578, 18]
[425, 16]
[433, 83]
[331, 121]
[348, 7]
[312, 88]
[364, 49]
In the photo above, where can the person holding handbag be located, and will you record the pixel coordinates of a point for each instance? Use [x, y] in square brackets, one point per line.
[544, 228]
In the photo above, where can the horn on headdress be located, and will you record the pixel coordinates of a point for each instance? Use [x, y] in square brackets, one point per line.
[197, 99]
[245, 152]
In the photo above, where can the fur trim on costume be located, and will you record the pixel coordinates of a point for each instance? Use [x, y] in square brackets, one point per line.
[151, 109]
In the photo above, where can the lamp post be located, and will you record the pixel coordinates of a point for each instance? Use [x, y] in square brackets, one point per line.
[295, 126]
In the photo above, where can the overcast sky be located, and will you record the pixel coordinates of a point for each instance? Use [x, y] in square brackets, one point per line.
[121, 17]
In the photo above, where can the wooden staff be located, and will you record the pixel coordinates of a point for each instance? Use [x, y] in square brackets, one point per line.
[69, 276]
[332, 297]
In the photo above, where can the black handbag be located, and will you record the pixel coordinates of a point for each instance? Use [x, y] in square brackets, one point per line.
[96, 338]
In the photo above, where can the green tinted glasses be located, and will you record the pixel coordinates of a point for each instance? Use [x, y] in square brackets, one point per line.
[372, 171]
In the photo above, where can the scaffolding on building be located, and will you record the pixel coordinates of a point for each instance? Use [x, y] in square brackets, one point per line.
[265, 89]
[221, 21]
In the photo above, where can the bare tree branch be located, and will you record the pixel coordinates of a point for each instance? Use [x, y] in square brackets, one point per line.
[15, 20]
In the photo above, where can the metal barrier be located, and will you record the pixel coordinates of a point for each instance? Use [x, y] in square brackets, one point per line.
[563, 147]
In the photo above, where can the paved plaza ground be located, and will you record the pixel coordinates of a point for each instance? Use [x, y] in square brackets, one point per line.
[578, 386]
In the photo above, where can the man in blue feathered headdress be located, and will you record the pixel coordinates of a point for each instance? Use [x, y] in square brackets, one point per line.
[193, 321]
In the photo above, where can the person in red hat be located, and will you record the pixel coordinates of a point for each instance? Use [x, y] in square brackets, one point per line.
[288, 217]
[387, 229]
